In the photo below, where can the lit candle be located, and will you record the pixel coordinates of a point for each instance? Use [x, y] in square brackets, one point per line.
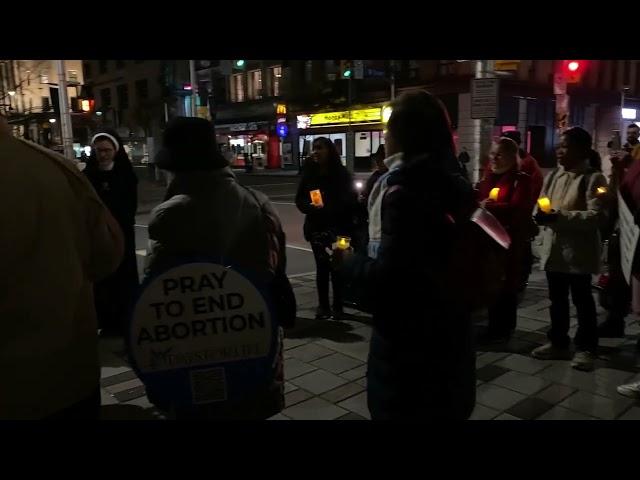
[493, 194]
[544, 204]
[343, 243]
[601, 190]
[316, 198]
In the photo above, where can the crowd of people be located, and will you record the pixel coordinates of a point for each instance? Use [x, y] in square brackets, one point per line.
[70, 238]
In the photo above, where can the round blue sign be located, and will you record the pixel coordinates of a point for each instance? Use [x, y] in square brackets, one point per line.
[202, 332]
[282, 130]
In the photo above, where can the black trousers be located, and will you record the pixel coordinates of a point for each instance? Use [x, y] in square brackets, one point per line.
[503, 314]
[323, 274]
[580, 286]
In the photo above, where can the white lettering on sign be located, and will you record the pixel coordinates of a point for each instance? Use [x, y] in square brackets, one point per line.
[199, 314]
[629, 234]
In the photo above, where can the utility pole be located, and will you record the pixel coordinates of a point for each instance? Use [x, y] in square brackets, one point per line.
[66, 129]
[351, 143]
[194, 87]
[484, 126]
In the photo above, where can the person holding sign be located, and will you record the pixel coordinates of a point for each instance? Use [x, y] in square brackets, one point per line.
[506, 193]
[57, 238]
[569, 247]
[327, 198]
[207, 213]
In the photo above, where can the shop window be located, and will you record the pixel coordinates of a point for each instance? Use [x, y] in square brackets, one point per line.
[46, 104]
[255, 85]
[44, 77]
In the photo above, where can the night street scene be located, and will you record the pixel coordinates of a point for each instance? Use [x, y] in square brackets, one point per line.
[412, 240]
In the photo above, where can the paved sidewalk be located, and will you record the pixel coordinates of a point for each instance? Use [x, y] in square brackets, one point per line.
[325, 367]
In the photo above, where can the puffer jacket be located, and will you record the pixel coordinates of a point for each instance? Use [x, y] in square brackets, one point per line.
[572, 243]
[209, 214]
[421, 359]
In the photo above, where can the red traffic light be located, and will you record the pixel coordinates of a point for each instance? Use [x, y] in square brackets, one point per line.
[573, 70]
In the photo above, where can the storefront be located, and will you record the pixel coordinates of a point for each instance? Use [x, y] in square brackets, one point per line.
[256, 135]
[364, 126]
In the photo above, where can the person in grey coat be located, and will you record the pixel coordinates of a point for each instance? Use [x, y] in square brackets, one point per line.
[569, 248]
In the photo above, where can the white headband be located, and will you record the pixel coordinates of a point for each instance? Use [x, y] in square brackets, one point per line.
[110, 137]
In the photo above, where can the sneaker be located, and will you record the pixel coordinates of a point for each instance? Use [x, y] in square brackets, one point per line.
[609, 329]
[631, 390]
[583, 361]
[550, 352]
[323, 313]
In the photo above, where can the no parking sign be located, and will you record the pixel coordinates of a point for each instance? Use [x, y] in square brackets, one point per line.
[202, 332]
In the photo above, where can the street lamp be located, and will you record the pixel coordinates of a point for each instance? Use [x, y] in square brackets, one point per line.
[52, 120]
[11, 93]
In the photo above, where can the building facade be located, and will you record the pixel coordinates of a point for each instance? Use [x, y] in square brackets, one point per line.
[29, 98]
[137, 97]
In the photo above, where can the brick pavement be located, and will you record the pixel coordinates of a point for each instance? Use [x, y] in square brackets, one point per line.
[325, 367]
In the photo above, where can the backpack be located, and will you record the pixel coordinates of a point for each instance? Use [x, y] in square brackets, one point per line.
[284, 300]
[478, 268]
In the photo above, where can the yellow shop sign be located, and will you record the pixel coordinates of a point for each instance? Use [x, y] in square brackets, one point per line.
[357, 116]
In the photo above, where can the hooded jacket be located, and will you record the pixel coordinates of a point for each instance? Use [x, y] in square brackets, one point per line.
[54, 242]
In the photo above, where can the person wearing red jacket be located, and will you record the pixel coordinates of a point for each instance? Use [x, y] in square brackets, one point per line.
[511, 204]
[528, 165]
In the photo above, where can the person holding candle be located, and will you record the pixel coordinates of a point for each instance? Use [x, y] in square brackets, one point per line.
[421, 363]
[327, 198]
[569, 247]
[506, 193]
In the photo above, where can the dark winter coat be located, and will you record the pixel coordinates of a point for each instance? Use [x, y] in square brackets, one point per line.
[338, 196]
[513, 209]
[118, 189]
[421, 360]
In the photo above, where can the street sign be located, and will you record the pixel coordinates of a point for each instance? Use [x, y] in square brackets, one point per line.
[484, 98]
[506, 65]
[559, 84]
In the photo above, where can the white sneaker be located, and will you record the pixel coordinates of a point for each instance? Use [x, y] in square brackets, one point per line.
[630, 390]
[583, 361]
[550, 352]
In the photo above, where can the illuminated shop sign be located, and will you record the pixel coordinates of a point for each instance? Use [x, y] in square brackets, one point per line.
[370, 115]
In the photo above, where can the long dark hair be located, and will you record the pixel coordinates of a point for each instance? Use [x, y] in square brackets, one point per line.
[419, 125]
[334, 162]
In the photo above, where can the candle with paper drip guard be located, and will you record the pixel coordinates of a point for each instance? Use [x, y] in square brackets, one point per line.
[544, 204]
[343, 243]
[493, 194]
[601, 190]
[316, 198]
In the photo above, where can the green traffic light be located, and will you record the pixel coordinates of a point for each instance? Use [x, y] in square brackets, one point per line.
[239, 63]
[347, 73]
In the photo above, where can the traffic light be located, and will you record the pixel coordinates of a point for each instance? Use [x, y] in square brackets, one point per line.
[573, 70]
[239, 64]
[87, 104]
[345, 69]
